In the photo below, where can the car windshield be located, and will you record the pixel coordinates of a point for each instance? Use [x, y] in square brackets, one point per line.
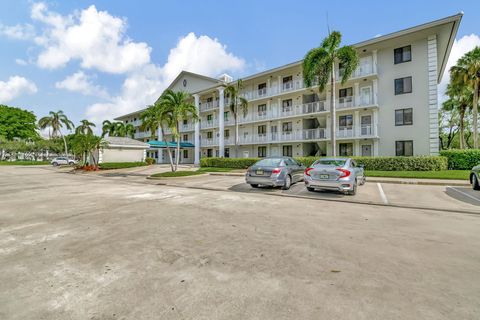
[330, 162]
[269, 162]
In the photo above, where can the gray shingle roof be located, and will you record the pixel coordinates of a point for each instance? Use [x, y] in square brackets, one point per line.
[123, 141]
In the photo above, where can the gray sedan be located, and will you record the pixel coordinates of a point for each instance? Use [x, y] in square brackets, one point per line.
[475, 178]
[275, 172]
[342, 174]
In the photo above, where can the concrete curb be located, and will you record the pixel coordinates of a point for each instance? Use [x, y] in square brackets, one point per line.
[430, 182]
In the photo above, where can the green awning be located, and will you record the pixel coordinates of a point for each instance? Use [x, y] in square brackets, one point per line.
[162, 144]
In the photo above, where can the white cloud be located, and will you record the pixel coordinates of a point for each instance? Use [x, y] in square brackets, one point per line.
[95, 38]
[459, 48]
[19, 31]
[14, 87]
[201, 54]
[80, 82]
[21, 62]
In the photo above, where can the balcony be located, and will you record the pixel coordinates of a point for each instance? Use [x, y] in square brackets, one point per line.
[209, 142]
[207, 124]
[346, 102]
[187, 127]
[210, 105]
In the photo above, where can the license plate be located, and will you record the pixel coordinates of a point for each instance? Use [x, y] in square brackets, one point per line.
[259, 172]
[324, 176]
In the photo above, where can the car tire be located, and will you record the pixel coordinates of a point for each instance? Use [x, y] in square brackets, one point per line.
[310, 189]
[354, 189]
[55, 164]
[71, 163]
[475, 184]
[364, 179]
[288, 182]
[254, 185]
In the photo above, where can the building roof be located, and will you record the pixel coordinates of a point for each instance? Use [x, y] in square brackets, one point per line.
[125, 142]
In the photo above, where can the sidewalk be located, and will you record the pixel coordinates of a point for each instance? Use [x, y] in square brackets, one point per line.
[431, 182]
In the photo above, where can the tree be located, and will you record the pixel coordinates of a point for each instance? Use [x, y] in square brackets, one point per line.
[460, 98]
[86, 144]
[117, 129]
[177, 106]
[448, 125]
[467, 74]
[319, 66]
[17, 123]
[56, 121]
[85, 127]
[237, 104]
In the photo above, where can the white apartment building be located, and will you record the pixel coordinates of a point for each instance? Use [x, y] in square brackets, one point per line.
[388, 107]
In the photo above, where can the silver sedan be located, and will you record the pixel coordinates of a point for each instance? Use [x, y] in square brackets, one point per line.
[342, 174]
[475, 178]
[275, 172]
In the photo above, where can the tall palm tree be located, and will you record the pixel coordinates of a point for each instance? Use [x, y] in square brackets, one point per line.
[56, 121]
[460, 99]
[467, 73]
[108, 127]
[178, 106]
[85, 127]
[238, 105]
[153, 118]
[319, 66]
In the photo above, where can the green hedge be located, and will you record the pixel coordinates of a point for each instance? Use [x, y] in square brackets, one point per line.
[462, 159]
[120, 165]
[371, 163]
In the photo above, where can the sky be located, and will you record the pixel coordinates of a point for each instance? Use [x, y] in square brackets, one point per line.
[99, 59]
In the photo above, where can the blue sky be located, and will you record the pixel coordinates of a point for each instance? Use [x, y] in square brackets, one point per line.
[52, 58]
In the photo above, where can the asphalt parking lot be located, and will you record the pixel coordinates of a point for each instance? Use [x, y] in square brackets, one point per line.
[123, 247]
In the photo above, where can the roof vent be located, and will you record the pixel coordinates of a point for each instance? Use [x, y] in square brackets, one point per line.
[225, 78]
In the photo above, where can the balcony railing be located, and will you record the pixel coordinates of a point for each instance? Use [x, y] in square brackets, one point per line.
[209, 142]
[210, 105]
[187, 127]
[206, 124]
[346, 102]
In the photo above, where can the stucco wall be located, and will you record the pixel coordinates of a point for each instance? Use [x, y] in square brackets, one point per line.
[122, 155]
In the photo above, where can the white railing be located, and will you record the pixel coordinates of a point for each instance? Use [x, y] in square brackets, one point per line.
[346, 132]
[209, 142]
[366, 130]
[206, 124]
[346, 102]
[205, 106]
[187, 127]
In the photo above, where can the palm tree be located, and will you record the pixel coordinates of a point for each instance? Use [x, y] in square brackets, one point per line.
[117, 129]
[85, 127]
[108, 127]
[86, 144]
[177, 106]
[237, 105]
[56, 120]
[460, 99]
[319, 66]
[467, 73]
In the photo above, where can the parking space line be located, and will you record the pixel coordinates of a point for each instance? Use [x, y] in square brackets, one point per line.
[463, 193]
[382, 194]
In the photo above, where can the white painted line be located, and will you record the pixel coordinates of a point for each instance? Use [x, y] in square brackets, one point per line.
[464, 193]
[382, 194]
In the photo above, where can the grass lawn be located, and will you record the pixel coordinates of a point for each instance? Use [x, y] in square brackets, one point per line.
[23, 163]
[190, 173]
[443, 174]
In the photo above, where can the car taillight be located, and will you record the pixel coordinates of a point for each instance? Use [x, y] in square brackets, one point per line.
[345, 172]
[307, 171]
[276, 171]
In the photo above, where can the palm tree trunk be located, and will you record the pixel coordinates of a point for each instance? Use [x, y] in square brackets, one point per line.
[462, 128]
[475, 115]
[65, 144]
[333, 113]
[177, 154]
[168, 149]
[236, 135]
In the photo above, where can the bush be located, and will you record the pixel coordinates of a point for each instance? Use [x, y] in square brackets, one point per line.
[120, 165]
[150, 161]
[371, 163]
[462, 159]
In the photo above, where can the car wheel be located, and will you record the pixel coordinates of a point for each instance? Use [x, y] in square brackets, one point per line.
[55, 164]
[71, 163]
[310, 189]
[362, 182]
[475, 184]
[288, 182]
[354, 189]
[254, 185]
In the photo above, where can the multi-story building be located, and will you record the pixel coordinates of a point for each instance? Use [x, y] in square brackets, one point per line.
[388, 107]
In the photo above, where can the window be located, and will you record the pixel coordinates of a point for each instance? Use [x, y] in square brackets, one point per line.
[287, 127]
[262, 130]
[209, 117]
[287, 105]
[226, 115]
[185, 122]
[262, 152]
[134, 119]
[185, 154]
[345, 121]
[346, 149]
[262, 109]
[209, 153]
[209, 135]
[287, 83]
[403, 54]
[226, 133]
[404, 117]
[404, 148]
[403, 85]
[210, 99]
[262, 86]
[287, 79]
[126, 121]
[346, 92]
[287, 151]
[262, 89]
[227, 152]
[185, 137]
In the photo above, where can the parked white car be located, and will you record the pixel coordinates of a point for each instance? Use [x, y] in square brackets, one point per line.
[63, 161]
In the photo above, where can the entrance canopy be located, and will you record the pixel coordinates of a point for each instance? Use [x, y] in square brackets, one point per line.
[162, 144]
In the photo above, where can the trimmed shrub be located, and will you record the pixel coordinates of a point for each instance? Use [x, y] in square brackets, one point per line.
[150, 161]
[371, 163]
[462, 159]
[120, 165]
